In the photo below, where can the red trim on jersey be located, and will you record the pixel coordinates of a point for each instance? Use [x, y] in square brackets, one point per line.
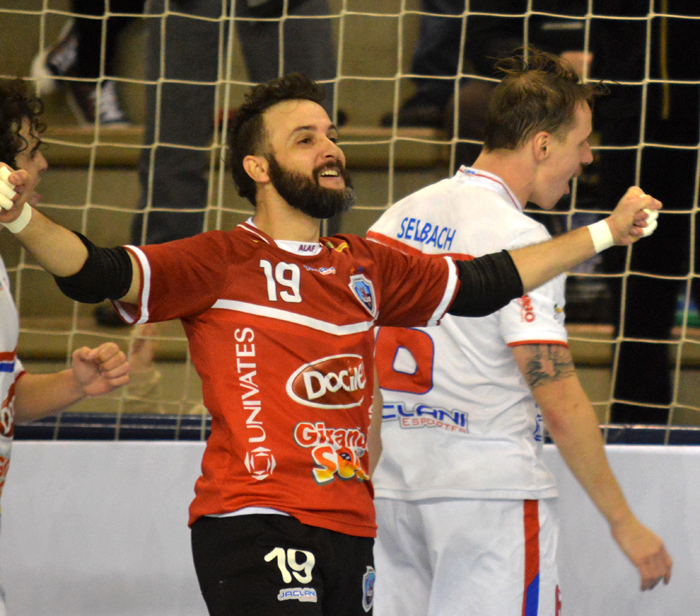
[532, 554]
[475, 173]
[255, 231]
[8, 356]
[409, 250]
[526, 342]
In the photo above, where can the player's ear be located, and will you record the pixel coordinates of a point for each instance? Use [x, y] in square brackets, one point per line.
[257, 168]
[540, 145]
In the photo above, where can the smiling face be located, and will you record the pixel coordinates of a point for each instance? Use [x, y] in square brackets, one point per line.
[305, 164]
[563, 158]
[31, 160]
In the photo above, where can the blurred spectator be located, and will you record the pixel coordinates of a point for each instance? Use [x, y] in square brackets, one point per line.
[558, 29]
[436, 55]
[180, 112]
[181, 115]
[658, 122]
[74, 62]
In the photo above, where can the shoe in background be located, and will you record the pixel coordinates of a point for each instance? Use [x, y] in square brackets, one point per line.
[55, 69]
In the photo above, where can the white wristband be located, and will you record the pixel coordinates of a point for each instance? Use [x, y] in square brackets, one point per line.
[22, 221]
[601, 236]
[652, 222]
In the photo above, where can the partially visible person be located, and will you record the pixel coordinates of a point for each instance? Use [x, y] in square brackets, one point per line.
[74, 63]
[466, 508]
[496, 30]
[435, 64]
[280, 323]
[25, 397]
[492, 29]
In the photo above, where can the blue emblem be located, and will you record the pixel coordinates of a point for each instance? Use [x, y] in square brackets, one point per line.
[364, 291]
[368, 589]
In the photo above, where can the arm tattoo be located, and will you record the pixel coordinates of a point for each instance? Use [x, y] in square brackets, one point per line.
[547, 364]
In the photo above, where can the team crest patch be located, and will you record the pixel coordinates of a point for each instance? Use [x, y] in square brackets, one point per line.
[364, 291]
[368, 589]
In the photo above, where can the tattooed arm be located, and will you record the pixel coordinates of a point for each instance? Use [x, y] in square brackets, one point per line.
[569, 416]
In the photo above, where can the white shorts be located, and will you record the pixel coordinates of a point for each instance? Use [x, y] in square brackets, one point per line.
[453, 557]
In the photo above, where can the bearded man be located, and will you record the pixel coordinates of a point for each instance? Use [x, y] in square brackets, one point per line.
[280, 324]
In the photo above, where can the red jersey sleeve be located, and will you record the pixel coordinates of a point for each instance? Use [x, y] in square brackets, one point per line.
[415, 290]
[178, 279]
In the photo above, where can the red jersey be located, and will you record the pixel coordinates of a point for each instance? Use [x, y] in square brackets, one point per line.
[283, 341]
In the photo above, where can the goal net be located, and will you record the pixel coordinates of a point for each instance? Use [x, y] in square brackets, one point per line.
[406, 82]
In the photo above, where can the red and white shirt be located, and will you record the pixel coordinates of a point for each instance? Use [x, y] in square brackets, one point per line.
[459, 419]
[282, 336]
[10, 371]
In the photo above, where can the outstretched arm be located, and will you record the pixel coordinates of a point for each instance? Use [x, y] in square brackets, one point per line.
[58, 250]
[489, 282]
[94, 372]
[569, 416]
[541, 262]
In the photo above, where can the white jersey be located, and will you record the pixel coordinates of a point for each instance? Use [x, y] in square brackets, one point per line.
[459, 419]
[10, 370]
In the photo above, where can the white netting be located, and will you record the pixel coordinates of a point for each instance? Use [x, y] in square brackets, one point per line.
[93, 185]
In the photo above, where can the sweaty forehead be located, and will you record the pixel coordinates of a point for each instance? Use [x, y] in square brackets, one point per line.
[283, 119]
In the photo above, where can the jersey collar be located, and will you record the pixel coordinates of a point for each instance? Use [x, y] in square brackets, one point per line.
[306, 249]
[489, 181]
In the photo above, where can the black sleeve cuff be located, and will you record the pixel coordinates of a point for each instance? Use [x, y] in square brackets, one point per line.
[486, 284]
[106, 274]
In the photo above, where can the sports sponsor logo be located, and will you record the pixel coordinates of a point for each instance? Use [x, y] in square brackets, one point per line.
[423, 416]
[298, 594]
[308, 248]
[335, 451]
[527, 310]
[259, 460]
[340, 247]
[363, 289]
[325, 271]
[368, 580]
[335, 382]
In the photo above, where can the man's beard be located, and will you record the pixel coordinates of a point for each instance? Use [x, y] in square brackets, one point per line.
[307, 195]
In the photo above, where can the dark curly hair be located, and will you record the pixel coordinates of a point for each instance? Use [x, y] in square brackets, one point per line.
[17, 104]
[538, 92]
[246, 133]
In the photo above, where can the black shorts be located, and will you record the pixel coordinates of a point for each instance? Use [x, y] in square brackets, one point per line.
[266, 564]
